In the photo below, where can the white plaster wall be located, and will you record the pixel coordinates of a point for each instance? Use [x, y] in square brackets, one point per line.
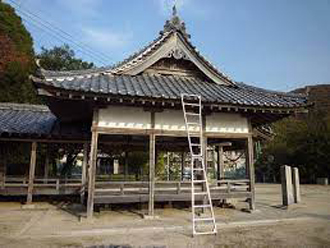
[172, 120]
[169, 120]
[124, 117]
[226, 123]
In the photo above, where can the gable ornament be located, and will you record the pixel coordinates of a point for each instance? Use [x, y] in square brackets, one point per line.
[177, 53]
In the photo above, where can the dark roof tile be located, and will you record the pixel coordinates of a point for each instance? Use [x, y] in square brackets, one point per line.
[37, 120]
[171, 87]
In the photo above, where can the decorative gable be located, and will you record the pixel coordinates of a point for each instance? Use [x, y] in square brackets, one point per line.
[172, 44]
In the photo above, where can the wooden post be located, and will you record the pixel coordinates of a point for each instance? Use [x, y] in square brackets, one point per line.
[296, 185]
[204, 153]
[46, 168]
[182, 164]
[92, 166]
[84, 173]
[168, 166]
[221, 164]
[152, 141]
[152, 162]
[3, 168]
[91, 174]
[32, 171]
[126, 165]
[251, 172]
[286, 181]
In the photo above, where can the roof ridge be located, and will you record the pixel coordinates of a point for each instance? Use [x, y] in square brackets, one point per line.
[161, 36]
[75, 72]
[23, 106]
[280, 93]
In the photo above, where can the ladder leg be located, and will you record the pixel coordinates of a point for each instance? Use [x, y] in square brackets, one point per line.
[198, 167]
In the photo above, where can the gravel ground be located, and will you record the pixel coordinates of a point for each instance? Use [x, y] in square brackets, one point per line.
[57, 225]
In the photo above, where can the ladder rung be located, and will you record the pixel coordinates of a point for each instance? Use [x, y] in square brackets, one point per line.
[198, 169]
[193, 123]
[200, 193]
[194, 114]
[199, 181]
[202, 233]
[202, 206]
[191, 104]
[203, 219]
[195, 144]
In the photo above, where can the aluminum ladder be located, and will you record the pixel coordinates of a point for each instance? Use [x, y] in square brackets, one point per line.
[203, 219]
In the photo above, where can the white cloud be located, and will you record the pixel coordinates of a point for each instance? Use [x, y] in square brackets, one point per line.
[105, 38]
[81, 7]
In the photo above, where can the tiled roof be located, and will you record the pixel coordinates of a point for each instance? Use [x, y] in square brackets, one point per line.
[171, 87]
[122, 80]
[35, 120]
[24, 118]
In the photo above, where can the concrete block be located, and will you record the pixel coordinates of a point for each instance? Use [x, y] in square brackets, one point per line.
[322, 181]
[296, 185]
[287, 189]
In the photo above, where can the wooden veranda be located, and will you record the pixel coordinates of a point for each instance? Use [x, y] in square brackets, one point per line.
[96, 189]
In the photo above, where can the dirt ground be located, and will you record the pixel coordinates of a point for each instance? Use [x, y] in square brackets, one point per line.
[57, 225]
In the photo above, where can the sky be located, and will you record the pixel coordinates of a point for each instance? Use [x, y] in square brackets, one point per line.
[274, 44]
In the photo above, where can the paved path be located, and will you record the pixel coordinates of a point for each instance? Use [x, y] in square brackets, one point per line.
[52, 226]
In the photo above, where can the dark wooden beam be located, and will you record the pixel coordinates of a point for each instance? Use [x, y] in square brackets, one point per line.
[158, 132]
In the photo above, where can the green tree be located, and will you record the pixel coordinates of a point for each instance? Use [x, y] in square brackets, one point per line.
[16, 58]
[301, 142]
[61, 58]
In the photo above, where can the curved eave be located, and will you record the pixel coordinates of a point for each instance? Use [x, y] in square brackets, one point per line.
[49, 89]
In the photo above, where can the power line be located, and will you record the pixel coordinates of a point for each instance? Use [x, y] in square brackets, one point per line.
[49, 27]
[36, 24]
[72, 39]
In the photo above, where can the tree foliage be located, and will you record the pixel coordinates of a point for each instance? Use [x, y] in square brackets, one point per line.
[300, 142]
[16, 58]
[61, 58]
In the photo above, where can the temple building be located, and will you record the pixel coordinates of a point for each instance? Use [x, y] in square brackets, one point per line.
[120, 130]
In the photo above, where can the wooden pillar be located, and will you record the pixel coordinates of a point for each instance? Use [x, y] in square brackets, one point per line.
[152, 162]
[84, 173]
[250, 163]
[182, 164]
[32, 169]
[152, 159]
[91, 174]
[3, 166]
[126, 165]
[46, 168]
[204, 153]
[168, 166]
[204, 141]
[221, 164]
